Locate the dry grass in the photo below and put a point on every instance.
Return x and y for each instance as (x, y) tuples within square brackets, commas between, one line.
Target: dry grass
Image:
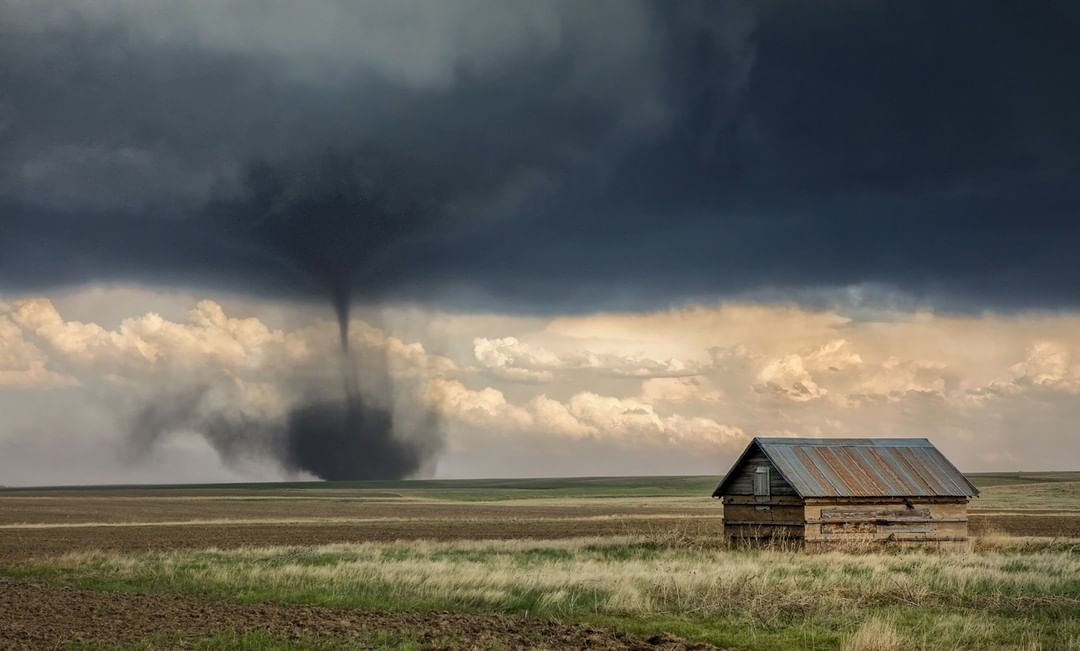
[(624, 575), (904, 599), (875, 635)]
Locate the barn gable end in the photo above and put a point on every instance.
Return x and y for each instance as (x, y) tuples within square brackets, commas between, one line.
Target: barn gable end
[(759, 502), (740, 480)]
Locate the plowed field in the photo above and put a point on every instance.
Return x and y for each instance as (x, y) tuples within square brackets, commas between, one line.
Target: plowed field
[(37, 616)]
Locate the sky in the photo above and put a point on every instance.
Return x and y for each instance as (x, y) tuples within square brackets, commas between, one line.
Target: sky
[(349, 239)]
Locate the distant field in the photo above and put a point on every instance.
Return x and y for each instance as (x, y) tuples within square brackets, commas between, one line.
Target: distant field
[(453, 489), (546, 563), (497, 489)]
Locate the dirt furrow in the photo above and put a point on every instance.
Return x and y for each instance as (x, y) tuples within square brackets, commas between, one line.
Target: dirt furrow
[(40, 616)]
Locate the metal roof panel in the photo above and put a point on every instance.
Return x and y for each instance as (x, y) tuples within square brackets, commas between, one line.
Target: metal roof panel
[(863, 468)]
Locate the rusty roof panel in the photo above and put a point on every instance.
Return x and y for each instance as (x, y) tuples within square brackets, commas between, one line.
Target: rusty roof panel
[(863, 468)]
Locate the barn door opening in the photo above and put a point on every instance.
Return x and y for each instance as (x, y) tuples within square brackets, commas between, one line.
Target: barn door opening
[(761, 483)]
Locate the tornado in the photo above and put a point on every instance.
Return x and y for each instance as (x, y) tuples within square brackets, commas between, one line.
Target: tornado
[(332, 220)]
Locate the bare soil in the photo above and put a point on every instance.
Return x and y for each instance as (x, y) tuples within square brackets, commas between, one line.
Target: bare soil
[(130, 506), (1064, 525), (149, 520), (38, 616)]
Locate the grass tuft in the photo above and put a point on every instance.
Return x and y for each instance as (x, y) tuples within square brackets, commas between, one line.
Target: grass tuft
[(875, 635)]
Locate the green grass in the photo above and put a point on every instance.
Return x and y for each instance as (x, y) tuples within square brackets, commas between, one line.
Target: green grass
[(755, 599), (1040, 495)]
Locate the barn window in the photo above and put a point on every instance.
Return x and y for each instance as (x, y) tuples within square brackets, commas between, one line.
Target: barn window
[(761, 481)]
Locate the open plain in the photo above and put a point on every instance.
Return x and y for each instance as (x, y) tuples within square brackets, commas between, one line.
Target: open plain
[(564, 563)]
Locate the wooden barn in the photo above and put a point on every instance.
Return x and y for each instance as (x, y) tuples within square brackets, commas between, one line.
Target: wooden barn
[(822, 492)]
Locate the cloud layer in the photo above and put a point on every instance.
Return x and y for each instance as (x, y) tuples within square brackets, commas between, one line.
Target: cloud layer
[(669, 391), (571, 157), (866, 212)]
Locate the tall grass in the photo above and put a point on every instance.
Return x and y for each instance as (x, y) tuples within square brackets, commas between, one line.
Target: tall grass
[(620, 575), (721, 594)]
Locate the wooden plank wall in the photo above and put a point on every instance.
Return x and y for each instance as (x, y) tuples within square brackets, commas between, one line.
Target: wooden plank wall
[(781, 517), (886, 520)]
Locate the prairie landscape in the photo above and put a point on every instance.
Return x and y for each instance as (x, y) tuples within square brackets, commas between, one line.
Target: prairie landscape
[(501, 564), (621, 245)]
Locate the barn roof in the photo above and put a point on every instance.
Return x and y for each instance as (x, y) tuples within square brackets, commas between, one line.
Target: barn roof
[(860, 468)]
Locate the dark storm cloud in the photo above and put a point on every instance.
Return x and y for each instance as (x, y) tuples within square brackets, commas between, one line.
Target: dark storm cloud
[(129, 126), (545, 155)]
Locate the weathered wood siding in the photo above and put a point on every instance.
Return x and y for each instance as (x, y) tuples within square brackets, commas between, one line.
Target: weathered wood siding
[(745, 516), (743, 483), (924, 520)]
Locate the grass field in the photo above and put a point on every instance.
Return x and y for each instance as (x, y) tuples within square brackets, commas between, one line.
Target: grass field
[(545, 563)]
